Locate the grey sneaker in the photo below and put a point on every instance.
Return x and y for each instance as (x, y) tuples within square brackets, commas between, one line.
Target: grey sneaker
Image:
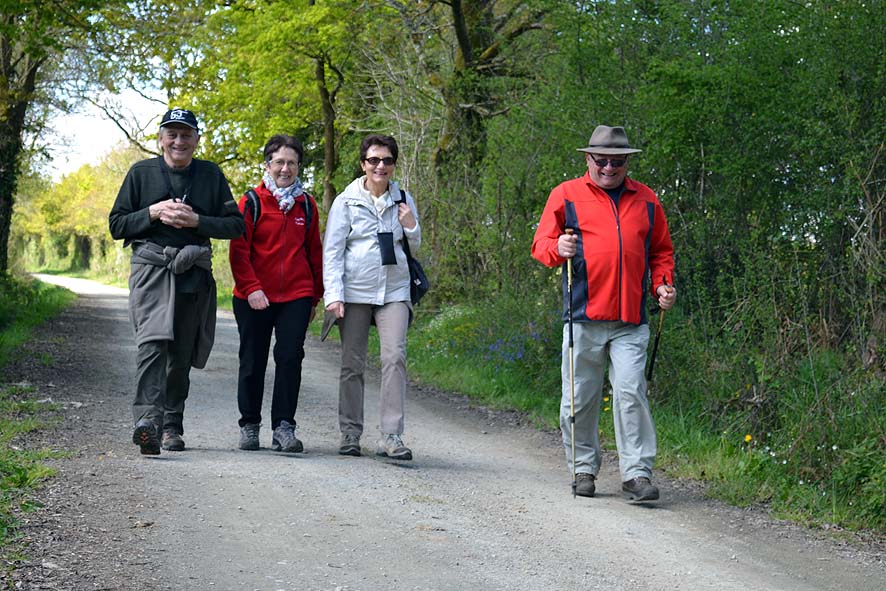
[(391, 445), (584, 484), (172, 441), (249, 436), (639, 489), (145, 437), (286, 439), (350, 445)]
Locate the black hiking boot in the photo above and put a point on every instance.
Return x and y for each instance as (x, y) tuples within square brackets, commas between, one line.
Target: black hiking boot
[(584, 484), (249, 436), (145, 437), (639, 489), (350, 445), (172, 441)]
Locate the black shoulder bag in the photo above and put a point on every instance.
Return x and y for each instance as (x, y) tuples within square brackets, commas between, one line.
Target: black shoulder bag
[(418, 281)]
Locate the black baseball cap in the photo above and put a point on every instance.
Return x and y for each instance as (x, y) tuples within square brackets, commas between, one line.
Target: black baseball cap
[(182, 116)]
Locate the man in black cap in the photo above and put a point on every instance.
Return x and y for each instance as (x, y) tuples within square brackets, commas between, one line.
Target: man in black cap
[(167, 209), (614, 230)]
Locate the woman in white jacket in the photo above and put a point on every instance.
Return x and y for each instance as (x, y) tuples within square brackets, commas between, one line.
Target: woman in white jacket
[(366, 280)]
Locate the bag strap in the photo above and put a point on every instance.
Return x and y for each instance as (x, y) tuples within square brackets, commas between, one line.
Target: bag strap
[(253, 204), (404, 241), (308, 215), (164, 168)]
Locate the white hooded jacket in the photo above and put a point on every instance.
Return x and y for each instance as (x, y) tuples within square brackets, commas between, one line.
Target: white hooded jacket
[(352, 269)]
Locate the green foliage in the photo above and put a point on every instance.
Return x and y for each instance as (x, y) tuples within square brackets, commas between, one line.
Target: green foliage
[(499, 352), (64, 226), (23, 304), (21, 471), (34, 38), (771, 429)]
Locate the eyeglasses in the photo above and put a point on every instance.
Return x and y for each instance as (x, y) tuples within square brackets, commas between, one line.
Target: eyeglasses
[(374, 160), (280, 163), (603, 162)]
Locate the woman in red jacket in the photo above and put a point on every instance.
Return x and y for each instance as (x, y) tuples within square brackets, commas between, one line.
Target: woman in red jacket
[(278, 280)]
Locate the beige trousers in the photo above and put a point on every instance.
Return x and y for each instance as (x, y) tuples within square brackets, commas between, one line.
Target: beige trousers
[(391, 320), (619, 348)]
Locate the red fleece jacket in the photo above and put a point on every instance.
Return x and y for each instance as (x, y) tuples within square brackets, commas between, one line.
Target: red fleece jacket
[(272, 257), (619, 248)]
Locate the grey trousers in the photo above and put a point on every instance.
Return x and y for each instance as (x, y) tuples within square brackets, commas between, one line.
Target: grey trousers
[(622, 347), (391, 320), (163, 370)]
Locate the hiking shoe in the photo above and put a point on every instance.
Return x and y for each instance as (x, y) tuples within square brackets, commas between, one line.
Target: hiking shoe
[(145, 436), (391, 445), (639, 489), (249, 436), (350, 445), (584, 484), (286, 439), (172, 441)]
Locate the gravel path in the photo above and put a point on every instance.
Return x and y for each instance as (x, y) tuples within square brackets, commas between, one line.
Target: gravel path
[(486, 504)]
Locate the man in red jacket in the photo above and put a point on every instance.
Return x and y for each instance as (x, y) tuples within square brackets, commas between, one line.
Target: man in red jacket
[(621, 250)]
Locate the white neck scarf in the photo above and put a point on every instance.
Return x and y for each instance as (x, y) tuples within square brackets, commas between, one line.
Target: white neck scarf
[(285, 196)]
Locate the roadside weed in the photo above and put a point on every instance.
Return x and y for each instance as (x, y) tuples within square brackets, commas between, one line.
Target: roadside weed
[(21, 469), (23, 304)]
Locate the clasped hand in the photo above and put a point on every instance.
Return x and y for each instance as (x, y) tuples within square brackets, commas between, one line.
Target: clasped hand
[(173, 212)]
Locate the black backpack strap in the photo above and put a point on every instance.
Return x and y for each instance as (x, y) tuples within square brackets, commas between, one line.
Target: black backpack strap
[(309, 213), (253, 205)]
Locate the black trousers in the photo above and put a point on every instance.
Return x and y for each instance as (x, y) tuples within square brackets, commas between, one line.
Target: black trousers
[(288, 321)]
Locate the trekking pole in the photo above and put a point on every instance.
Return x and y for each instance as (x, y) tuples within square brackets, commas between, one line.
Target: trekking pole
[(571, 365), (657, 337)]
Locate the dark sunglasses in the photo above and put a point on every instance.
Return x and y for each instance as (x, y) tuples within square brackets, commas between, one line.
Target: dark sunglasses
[(374, 160), (616, 163)]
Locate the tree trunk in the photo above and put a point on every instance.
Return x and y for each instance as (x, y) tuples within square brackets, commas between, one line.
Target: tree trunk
[(11, 128), (82, 253), (467, 98), (18, 79), (329, 151), (10, 148)]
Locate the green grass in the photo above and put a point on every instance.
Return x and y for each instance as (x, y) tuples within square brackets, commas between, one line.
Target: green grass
[(807, 440), (496, 387), (21, 469), (24, 304)]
